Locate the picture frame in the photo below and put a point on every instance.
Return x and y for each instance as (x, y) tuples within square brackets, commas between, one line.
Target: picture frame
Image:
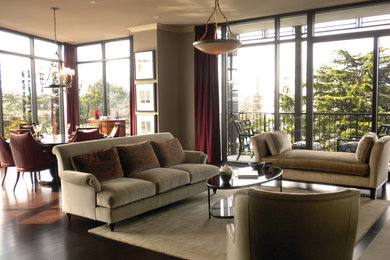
[(146, 124), (145, 96), (144, 65)]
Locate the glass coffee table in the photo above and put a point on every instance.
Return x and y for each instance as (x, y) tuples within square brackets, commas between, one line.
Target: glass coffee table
[(224, 207)]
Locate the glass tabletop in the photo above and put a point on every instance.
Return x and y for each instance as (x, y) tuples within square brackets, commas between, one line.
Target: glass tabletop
[(268, 173)]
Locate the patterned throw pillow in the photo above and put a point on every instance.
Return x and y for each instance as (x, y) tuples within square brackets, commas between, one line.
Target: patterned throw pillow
[(105, 164), (169, 152), (137, 157)]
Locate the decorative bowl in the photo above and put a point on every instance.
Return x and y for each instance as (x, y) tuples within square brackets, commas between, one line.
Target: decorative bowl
[(257, 166)]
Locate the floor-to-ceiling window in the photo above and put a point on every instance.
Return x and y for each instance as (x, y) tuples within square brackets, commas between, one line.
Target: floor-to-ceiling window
[(266, 79), (104, 79), (25, 98)]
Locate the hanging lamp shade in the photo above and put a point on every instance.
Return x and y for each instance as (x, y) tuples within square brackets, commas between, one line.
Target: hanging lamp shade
[(217, 46)]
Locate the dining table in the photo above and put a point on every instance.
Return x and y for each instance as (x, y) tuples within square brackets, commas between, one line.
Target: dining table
[(48, 142)]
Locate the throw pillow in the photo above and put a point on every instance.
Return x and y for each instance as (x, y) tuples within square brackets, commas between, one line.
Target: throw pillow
[(278, 142), (105, 164), (365, 145), (169, 152), (137, 157)]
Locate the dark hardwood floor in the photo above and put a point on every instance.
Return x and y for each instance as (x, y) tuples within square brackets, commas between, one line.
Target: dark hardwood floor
[(34, 227)]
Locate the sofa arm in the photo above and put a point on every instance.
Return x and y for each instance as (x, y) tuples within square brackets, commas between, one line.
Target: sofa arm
[(379, 161), (195, 157), (78, 192), (81, 178)]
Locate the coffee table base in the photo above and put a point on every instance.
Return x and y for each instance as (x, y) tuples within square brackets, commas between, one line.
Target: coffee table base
[(223, 208)]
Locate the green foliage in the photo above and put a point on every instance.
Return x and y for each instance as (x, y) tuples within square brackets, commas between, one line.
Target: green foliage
[(93, 100), (345, 86)]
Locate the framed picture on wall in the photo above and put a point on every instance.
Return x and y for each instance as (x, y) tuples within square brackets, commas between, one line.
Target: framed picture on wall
[(145, 97), (146, 124), (144, 65)]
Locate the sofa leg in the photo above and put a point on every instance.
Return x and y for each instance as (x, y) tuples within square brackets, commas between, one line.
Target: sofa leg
[(373, 194), (68, 215), (112, 226)]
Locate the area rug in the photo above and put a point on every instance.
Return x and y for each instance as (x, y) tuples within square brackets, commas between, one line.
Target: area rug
[(184, 230), (379, 249)]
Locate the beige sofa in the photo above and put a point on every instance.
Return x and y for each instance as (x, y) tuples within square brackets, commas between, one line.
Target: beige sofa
[(335, 168), (117, 199)]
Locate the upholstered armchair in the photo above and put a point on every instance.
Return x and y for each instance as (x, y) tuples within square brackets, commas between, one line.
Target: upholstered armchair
[(273, 225)]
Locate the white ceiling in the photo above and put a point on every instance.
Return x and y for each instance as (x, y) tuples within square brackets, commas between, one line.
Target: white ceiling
[(79, 21)]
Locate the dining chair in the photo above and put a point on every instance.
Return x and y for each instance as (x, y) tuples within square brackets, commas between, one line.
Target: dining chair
[(86, 134), (30, 156), (27, 126), (275, 225), (115, 131), (6, 158), (20, 131)]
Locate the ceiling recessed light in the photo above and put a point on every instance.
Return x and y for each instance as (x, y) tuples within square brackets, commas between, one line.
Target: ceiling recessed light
[(156, 17)]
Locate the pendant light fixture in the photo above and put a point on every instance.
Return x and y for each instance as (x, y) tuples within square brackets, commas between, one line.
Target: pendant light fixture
[(217, 46), (62, 77)]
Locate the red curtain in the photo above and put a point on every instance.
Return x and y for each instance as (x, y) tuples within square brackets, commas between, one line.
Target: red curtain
[(132, 89), (207, 134), (72, 103)]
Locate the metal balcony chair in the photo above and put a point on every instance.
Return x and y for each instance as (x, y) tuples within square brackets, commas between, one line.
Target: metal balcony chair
[(245, 132), (350, 144)]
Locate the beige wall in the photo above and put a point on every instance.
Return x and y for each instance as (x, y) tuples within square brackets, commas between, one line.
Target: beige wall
[(186, 79), (174, 78)]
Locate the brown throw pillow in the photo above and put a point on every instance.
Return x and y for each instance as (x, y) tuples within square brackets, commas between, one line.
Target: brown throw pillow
[(169, 152), (278, 142), (105, 164), (137, 157), (365, 145)]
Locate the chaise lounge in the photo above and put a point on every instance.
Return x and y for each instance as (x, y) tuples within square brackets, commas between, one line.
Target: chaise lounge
[(365, 169), (113, 179)]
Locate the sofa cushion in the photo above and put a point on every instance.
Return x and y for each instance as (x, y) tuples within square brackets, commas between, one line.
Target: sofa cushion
[(118, 192), (105, 164), (365, 145), (278, 142), (198, 172), (165, 179), (137, 157), (169, 152), (322, 161)]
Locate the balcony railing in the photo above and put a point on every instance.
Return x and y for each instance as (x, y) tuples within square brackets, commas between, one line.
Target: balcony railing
[(327, 127)]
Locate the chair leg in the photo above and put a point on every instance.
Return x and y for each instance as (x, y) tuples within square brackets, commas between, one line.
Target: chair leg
[(35, 180), (239, 150), (17, 179), (4, 174), (32, 178), (112, 226)]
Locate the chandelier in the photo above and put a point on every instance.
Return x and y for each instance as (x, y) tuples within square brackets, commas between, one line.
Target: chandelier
[(61, 77), (217, 46)]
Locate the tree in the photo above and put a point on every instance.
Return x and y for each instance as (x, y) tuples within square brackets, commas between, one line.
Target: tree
[(345, 86), (93, 100)]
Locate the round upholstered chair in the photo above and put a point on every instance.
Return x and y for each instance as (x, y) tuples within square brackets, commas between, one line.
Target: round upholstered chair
[(273, 225)]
